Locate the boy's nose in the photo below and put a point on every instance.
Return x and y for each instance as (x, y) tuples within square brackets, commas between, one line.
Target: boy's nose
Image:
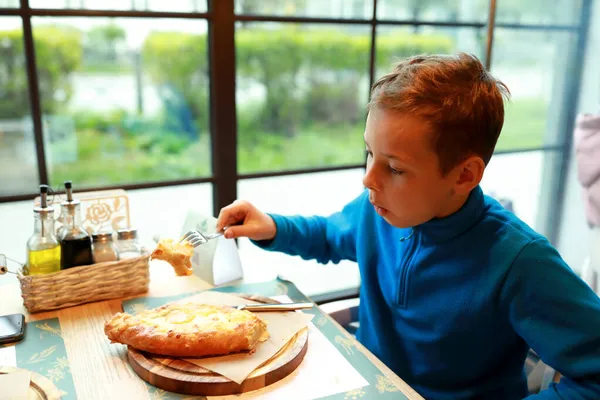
[(370, 180)]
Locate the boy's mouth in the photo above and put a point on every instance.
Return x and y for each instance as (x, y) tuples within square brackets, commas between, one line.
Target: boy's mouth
[(380, 210)]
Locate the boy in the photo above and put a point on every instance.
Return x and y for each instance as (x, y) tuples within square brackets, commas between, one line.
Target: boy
[(455, 289)]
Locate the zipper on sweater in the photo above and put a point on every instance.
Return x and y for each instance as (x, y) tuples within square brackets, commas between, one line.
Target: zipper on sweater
[(405, 269)]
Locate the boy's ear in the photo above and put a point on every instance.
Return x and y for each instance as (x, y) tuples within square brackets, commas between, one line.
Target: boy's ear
[(469, 174)]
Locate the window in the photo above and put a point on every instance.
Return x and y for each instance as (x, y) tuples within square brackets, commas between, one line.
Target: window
[(538, 12), (139, 94), (124, 100), (516, 181), (358, 9), (18, 160), (9, 3), (306, 194), (534, 65), (301, 95), (137, 5), (397, 42), (434, 10)]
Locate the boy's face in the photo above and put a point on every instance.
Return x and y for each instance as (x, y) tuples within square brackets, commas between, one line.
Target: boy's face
[(403, 173)]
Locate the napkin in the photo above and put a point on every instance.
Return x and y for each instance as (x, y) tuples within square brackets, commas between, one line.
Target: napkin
[(282, 326), (15, 385)]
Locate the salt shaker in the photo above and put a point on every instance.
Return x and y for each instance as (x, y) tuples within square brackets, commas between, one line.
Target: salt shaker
[(103, 247), (128, 244)]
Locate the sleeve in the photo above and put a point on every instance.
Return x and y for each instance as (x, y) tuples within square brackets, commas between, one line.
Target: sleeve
[(325, 239), (558, 316)]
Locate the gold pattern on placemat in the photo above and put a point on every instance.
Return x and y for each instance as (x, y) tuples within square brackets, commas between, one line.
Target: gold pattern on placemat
[(385, 385), (347, 344), (41, 356), (60, 369), (354, 394), (48, 328), (159, 394), (321, 321)]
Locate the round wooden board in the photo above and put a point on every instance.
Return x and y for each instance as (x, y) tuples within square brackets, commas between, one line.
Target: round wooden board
[(40, 387), (179, 376)]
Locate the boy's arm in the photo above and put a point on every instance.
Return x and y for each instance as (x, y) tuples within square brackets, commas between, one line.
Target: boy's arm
[(558, 316), (323, 239)]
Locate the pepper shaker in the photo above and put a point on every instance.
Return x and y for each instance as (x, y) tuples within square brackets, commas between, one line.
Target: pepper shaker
[(103, 247), (128, 245)]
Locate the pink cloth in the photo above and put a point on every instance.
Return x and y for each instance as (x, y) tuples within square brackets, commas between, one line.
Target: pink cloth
[(587, 154)]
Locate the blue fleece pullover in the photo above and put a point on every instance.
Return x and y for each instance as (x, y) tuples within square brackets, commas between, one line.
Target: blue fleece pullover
[(454, 308)]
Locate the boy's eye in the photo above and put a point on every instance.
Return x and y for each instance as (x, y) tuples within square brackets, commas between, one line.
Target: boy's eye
[(395, 171), (368, 153)]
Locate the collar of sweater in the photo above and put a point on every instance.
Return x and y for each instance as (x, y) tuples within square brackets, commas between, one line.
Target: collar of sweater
[(440, 230)]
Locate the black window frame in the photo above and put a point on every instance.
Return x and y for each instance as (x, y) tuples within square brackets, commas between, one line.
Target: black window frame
[(221, 19)]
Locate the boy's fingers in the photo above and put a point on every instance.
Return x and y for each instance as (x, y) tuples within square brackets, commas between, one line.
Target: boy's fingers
[(240, 231), (231, 214)]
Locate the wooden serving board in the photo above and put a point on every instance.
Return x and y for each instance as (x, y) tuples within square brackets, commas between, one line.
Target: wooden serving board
[(179, 376), (40, 387)]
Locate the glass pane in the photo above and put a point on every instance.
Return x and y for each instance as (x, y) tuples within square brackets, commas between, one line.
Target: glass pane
[(138, 5), (9, 3), (18, 158), (516, 181), (307, 194), (174, 203), (357, 9), (433, 10), (538, 12), (396, 43), (301, 95), (534, 66), (124, 100)]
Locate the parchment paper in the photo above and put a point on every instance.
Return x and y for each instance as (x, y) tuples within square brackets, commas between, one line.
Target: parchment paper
[(282, 326)]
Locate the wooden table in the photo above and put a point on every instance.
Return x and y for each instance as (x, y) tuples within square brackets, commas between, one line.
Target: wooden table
[(100, 369)]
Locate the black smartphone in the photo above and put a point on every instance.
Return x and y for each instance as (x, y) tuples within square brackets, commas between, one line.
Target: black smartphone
[(12, 328)]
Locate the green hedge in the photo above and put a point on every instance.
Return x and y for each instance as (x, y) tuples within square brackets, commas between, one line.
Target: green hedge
[(310, 76), (177, 63), (58, 53), (315, 75)]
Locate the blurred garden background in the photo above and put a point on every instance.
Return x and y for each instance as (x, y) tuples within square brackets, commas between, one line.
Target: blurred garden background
[(127, 100)]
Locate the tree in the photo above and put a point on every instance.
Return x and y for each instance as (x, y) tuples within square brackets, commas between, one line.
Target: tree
[(102, 44), (252, 7)]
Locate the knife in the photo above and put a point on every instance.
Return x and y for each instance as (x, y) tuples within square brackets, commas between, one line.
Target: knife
[(275, 307)]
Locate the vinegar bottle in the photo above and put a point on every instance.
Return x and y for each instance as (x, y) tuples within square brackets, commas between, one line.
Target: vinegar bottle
[(43, 248), (75, 242)]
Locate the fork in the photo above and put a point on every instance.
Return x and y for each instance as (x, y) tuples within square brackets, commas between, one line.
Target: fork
[(197, 238)]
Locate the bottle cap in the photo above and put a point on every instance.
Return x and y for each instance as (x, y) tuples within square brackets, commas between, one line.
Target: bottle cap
[(69, 190), (102, 237), (43, 208), (127, 234)]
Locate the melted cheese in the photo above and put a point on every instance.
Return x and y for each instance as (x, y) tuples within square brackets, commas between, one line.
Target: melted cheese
[(192, 317)]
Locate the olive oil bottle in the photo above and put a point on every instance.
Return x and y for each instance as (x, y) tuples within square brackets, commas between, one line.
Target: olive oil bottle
[(43, 248)]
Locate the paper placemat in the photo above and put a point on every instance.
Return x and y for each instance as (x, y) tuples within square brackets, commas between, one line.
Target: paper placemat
[(323, 372), (378, 385), (42, 351), (15, 385)]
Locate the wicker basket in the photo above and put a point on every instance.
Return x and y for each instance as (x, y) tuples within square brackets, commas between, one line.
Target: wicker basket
[(85, 284)]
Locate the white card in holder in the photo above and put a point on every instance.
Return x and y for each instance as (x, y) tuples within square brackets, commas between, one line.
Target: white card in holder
[(217, 261)]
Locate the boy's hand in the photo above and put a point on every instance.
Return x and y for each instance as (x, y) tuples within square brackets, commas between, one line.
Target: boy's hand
[(243, 219)]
